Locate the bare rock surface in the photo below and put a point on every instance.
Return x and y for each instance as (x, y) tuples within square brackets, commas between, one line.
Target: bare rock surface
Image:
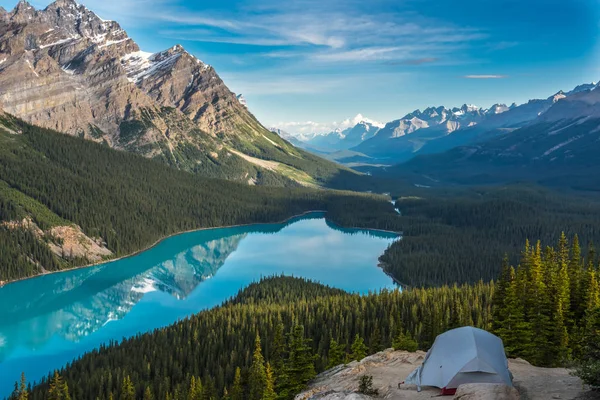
[(486, 391), (390, 368), (66, 69)]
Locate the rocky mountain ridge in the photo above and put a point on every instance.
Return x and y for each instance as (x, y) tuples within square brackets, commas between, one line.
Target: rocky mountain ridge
[(66, 69), (437, 129)]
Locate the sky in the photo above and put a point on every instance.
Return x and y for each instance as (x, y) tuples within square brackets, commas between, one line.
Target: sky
[(313, 65)]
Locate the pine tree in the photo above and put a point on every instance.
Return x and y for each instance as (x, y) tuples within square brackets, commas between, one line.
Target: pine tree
[(58, 389), (500, 289), (237, 390), (196, 391), (257, 379), (515, 332), (562, 306), (148, 394), (539, 308), (300, 363), (358, 349), (277, 361), (127, 389), (375, 341), (575, 290), (20, 392), (336, 354), (269, 393), (589, 368), (403, 341)]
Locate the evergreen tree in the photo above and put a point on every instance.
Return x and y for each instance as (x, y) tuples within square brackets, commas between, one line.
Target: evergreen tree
[(196, 391), (237, 390), (500, 295), (257, 379), (365, 386), (300, 363), (269, 393), (277, 358), (58, 389), (127, 389), (375, 341), (575, 271), (20, 392), (336, 354), (589, 368), (562, 304), (358, 349), (403, 341), (515, 331), (148, 394)]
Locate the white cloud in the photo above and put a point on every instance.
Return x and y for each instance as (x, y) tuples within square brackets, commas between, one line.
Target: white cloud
[(269, 84), (302, 129), (312, 30)]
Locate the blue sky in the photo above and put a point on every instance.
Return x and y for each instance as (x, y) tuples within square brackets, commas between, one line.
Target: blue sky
[(305, 64)]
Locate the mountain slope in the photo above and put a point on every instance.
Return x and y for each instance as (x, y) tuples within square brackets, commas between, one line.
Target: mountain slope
[(359, 130), (437, 129), (402, 137), (65, 201), (66, 69), (561, 153)]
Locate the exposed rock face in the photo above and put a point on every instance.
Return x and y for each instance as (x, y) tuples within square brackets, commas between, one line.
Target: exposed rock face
[(390, 368), (73, 243), (486, 391), (66, 69), (67, 241)]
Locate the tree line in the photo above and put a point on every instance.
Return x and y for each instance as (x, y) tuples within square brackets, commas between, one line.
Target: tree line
[(303, 328), (546, 308), (458, 235)]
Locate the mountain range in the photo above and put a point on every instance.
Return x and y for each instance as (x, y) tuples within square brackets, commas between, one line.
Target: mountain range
[(66, 69), (554, 142), (360, 129), (439, 129)]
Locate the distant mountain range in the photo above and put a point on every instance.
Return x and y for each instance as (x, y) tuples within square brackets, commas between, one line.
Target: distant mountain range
[(555, 141), (66, 69), (361, 129), (438, 129)]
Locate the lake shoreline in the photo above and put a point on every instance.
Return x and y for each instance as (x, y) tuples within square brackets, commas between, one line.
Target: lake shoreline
[(156, 243)]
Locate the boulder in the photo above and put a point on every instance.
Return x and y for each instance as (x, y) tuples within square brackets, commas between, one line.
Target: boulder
[(333, 395), (486, 391)]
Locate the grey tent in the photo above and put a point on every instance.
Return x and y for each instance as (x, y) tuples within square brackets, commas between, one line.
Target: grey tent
[(463, 355)]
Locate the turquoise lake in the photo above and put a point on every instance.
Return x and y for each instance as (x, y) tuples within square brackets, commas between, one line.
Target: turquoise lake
[(48, 321)]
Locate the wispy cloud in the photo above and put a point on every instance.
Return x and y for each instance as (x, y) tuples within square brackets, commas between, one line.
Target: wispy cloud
[(311, 30), (485, 76), (261, 84)]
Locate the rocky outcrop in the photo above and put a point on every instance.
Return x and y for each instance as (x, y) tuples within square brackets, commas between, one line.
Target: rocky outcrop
[(66, 69), (390, 368), (70, 242), (486, 391), (66, 241)]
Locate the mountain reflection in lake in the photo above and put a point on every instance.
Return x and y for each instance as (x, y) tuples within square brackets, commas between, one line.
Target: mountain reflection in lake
[(48, 321)]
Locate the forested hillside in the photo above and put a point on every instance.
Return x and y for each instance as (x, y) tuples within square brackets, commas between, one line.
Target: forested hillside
[(125, 202), (295, 320), (458, 234), (547, 309)]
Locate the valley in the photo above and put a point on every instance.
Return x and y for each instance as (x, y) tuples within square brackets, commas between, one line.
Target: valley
[(77, 311), (158, 242)]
